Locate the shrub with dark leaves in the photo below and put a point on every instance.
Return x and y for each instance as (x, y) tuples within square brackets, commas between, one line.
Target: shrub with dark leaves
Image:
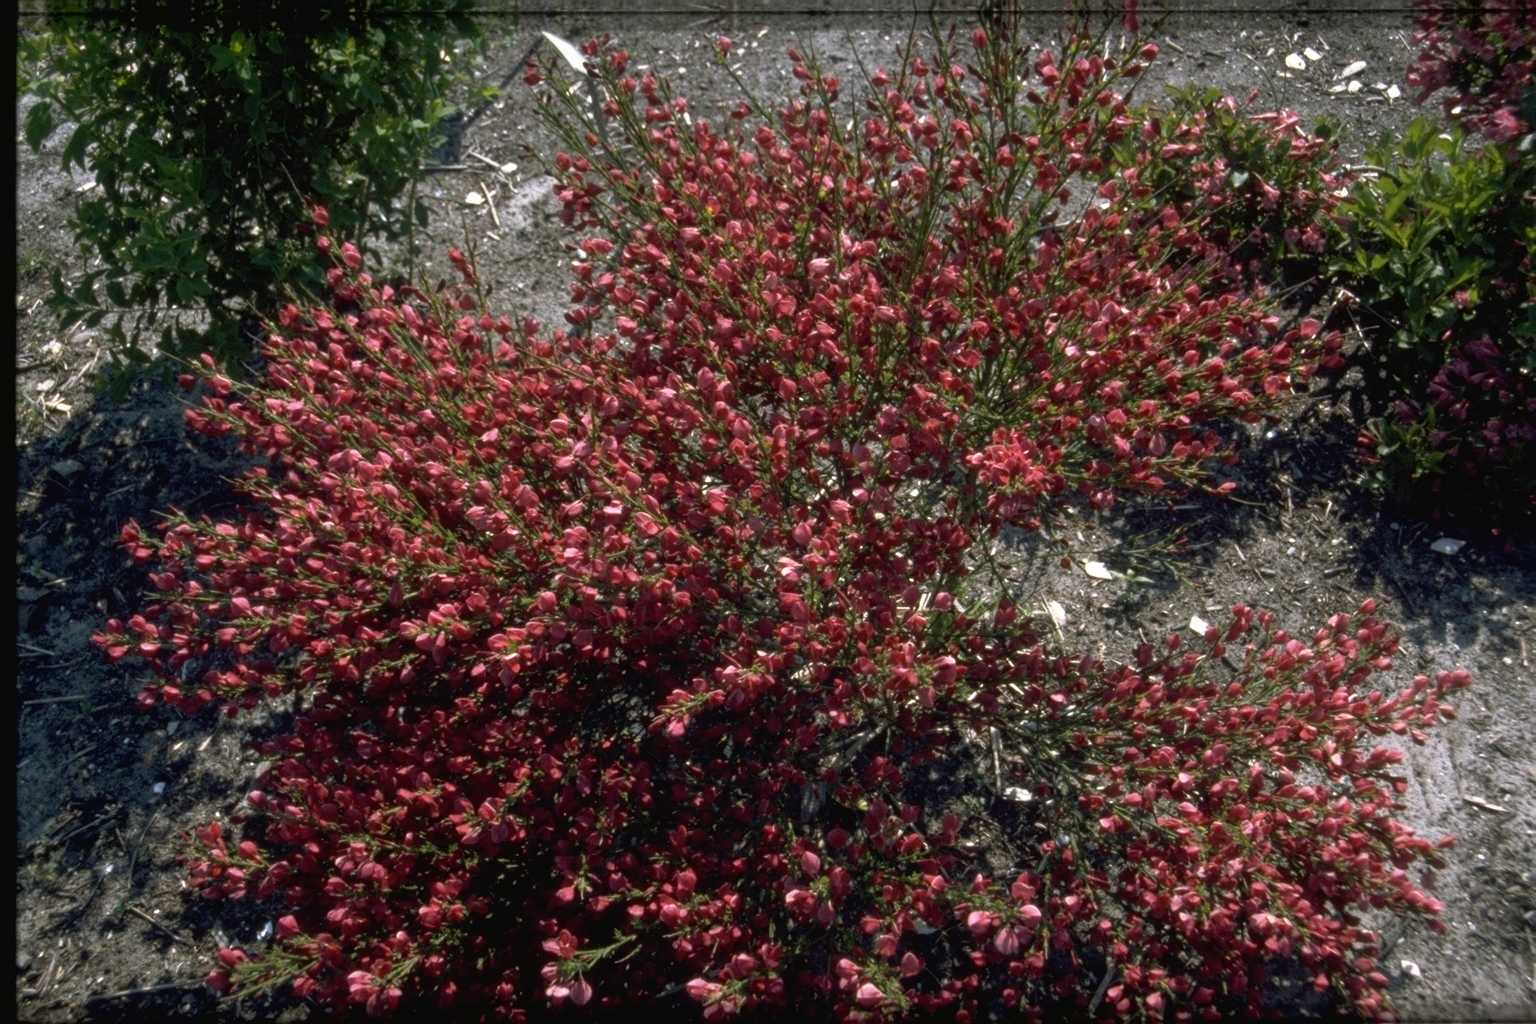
[(1484, 53), (1439, 251)]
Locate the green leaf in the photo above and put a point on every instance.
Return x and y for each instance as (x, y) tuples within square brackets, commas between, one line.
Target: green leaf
[(1395, 204), (40, 124), (85, 292), (74, 149)]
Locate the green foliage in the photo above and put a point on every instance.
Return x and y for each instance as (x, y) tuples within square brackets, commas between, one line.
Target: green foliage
[(210, 131), (1438, 250), (1434, 254)]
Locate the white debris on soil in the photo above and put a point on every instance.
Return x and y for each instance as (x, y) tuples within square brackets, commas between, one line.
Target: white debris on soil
[(1098, 570)]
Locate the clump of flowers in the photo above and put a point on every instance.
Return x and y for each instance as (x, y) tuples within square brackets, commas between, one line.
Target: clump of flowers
[(628, 655), (1484, 54), (1476, 426), (1265, 188)]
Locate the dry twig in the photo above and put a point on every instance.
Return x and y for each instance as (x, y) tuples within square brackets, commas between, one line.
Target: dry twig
[(139, 913)]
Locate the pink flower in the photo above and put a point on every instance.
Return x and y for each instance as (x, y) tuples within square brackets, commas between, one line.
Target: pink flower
[(869, 996), (383, 1001), (1270, 193), (1128, 20), (1503, 125), (1008, 940), (701, 991), (360, 986)]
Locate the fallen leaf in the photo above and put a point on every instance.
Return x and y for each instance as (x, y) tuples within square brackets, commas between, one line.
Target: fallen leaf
[(1393, 92), (1411, 969), (1295, 62), (474, 198), (1479, 802), (1098, 570), (1354, 85), (1057, 613), (571, 54), (1338, 88), (1352, 69), (1018, 793), (1447, 545), (1311, 54), (1198, 625)]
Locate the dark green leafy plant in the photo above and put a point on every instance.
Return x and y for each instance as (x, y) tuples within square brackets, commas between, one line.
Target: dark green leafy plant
[(1435, 246), (209, 132), (1438, 252)]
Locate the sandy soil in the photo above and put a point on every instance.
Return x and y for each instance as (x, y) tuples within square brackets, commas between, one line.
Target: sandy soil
[(104, 931)]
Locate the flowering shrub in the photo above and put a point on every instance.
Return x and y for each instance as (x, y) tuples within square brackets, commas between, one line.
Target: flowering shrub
[(1476, 427), (1485, 55), (1270, 187), (636, 659), (919, 272)]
